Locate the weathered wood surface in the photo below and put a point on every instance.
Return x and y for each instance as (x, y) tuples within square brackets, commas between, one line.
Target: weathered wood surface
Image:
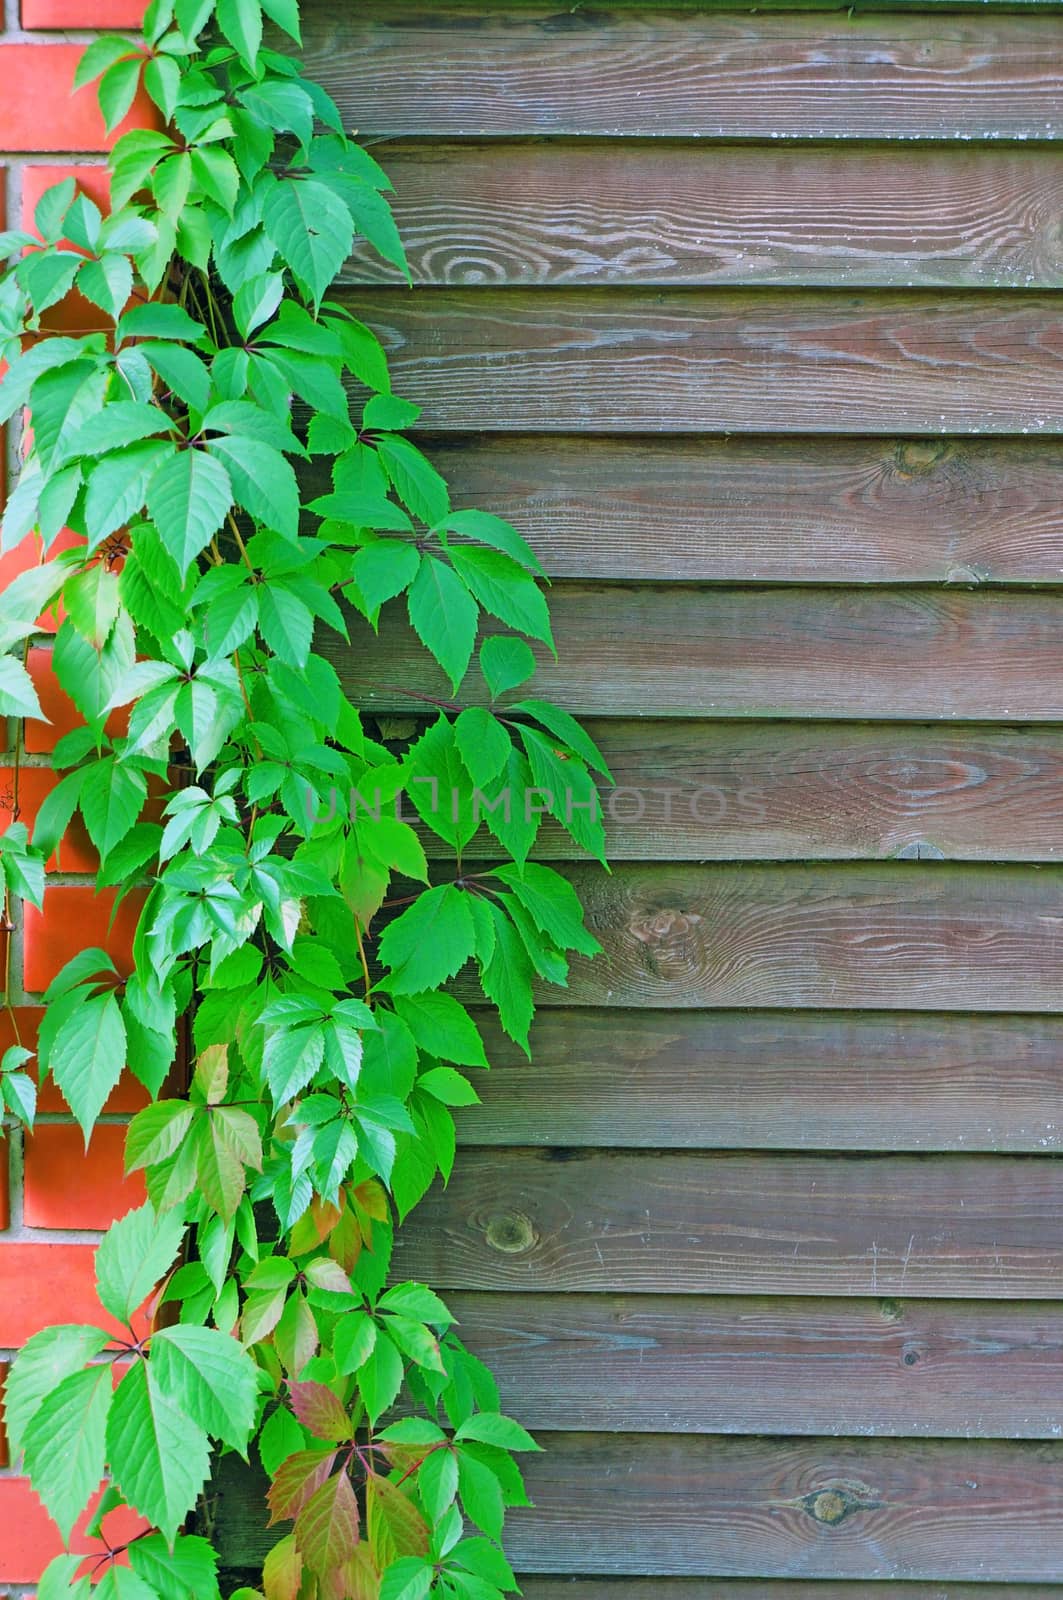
[(706, 791), (780, 510), (705, 1080), (673, 1364), (460, 70), (968, 1227), (589, 213), (800, 361), (921, 935), (817, 1508), (755, 1589), (679, 651)]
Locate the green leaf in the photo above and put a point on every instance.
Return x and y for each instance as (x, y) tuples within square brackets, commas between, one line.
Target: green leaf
[(505, 662), (187, 1572), (158, 1456), (96, 58), (117, 90), (211, 1378), (503, 589), (112, 797), (565, 728), (59, 1580), (483, 743), (92, 601), (481, 1495), (241, 23), (263, 481), (45, 1361), (444, 617), (118, 487), (121, 423), (417, 483), (63, 401), (444, 1084), (442, 1027), (507, 979), (486, 528), (158, 319), (156, 1133), (409, 1578), (257, 300), (18, 695), (384, 569), (108, 283), (46, 277), (162, 80), (188, 499), (429, 942), (64, 1444), (380, 1377), (311, 229), (134, 1255), (87, 1057), (490, 1427), (285, 13)]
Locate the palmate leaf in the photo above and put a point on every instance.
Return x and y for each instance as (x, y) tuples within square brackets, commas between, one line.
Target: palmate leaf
[(210, 1377), (326, 1529), (42, 1365), (188, 498), (429, 942), (64, 1443), (159, 1457), (187, 1572), (312, 229), (134, 1255)]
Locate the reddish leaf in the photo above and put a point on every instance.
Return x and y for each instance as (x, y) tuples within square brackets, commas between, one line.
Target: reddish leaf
[(361, 1575), (320, 1410), (282, 1571), (296, 1337), (326, 1529), (324, 1273), (345, 1241), (396, 1527), (372, 1198), (296, 1480)]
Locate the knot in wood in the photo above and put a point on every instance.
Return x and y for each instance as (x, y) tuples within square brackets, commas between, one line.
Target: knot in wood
[(511, 1232), (831, 1506), (916, 457), (665, 927)]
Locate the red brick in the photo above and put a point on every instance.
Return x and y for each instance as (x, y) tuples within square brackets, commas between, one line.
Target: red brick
[(92, 178), (35, 784), (30, 1539), (5, 1195), (61, 712), (129, 1095), (69, 1187), (76, 918), (38, 111), (42, 1284), (4, 1453), (123, 15)]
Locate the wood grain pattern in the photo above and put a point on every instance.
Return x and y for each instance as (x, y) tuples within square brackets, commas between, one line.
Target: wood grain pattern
[(672, 1364), (462, 71), (711, 791), (925, 936), (758, 1589), (671, 650), (667, 1504), (968, 1227), (781, 510), (802, 361), (705, 1080), (591, 214)]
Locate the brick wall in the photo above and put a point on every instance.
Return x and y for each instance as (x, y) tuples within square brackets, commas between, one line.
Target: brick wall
[(54, 1198)]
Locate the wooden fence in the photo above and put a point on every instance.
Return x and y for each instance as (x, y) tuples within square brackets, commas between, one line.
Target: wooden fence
[(751, 320)]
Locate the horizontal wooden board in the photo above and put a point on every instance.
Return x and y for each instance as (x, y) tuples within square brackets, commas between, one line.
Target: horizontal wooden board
[(676, 1364), (728, 1507), (921, 935), (969, 1227), (595, 213), (434, 69), (710, 791), (679, 651), (705, 1080), (758, 1589), (690, 361), (778, 510)]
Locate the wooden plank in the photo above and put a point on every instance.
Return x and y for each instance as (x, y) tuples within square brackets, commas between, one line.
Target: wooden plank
[(678, 651), (708, 1080), (692, 361), (663, 1504), (673, 1364), (591, 214), (778, 510), (717, 791), (756, 1589), (968, 1227), (462, 71), (915, 935)]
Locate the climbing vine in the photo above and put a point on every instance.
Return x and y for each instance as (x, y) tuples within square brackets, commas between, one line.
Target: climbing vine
[(290, 926)]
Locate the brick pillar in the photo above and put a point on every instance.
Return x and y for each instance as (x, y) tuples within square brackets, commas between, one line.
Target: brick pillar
[(54, 1198)]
